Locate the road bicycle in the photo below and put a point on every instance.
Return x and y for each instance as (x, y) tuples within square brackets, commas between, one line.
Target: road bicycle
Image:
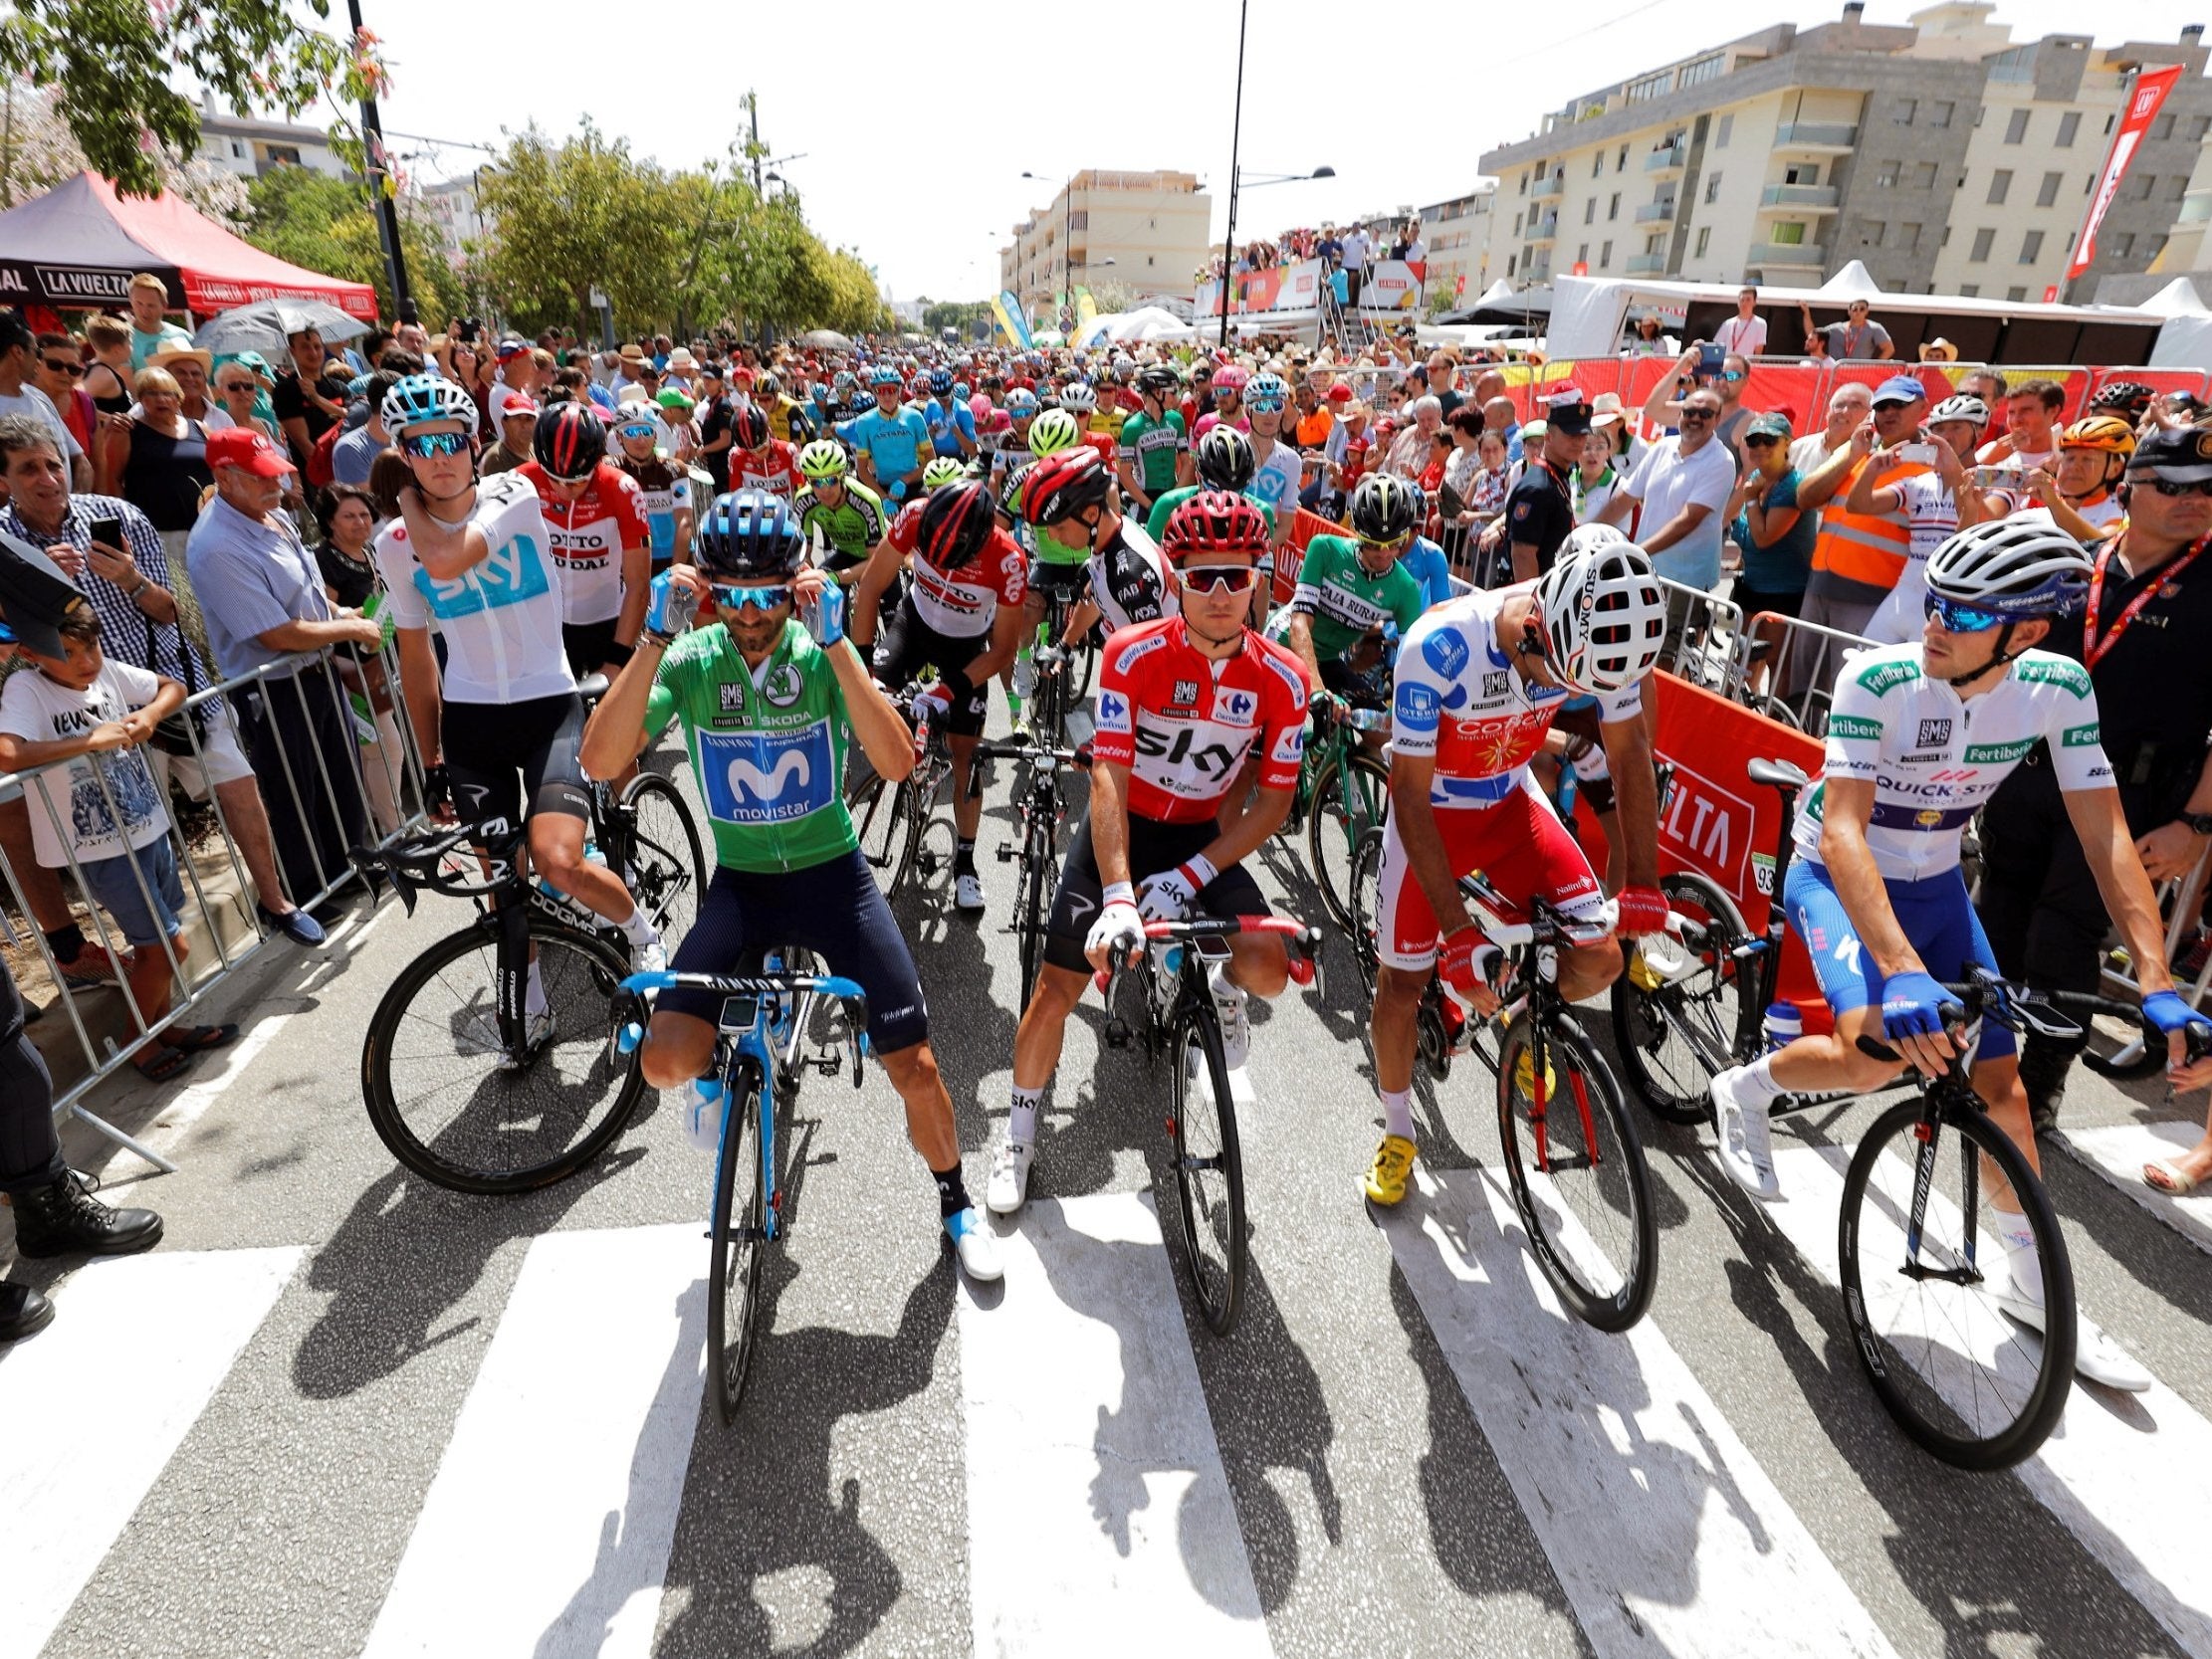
[(1174, 1014), (902, 835), (1343, 791), (778, 1021), (1041, 801)]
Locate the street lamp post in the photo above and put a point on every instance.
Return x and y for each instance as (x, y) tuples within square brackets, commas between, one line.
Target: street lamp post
[(1235, 179)]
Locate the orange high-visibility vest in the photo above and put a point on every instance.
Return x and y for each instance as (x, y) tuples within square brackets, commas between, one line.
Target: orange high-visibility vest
[(1869, 548)]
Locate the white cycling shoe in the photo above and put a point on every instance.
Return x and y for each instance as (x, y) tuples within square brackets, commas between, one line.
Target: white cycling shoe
[(537, 1030), (1008, 1186), (1747, 1135), (2095, 1355), (975, 1244), (649, 958), (968, 890)]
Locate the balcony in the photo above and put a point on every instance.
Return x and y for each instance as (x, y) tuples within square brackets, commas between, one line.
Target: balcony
[(1824, 137), (1543, 230), (1646, 265), (1657, 213), (1816, 198), (1803, 256), (1671, 159), (1554, 185)]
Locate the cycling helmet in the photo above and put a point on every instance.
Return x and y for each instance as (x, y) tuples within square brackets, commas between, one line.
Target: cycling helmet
[(1588, 538), (943, 469), (419, 399), (953, 524), (1383, 507), (1158, 380), (1077, 398), (822, 461), (2108, 433), (1231, 377), (980, 407), (1021, 401), (962, 390), (2020, 567), (570, 442), (842, 381), (1269, 390), (770, 386), (1064, 484), (1224, 459), (2131, 397), (748, 426), (1125, 368), (1054, 431), (1011, 492), (1963, 406), (750, 532), (1603, 617), (1214, 521), (883, 374), (940, 381)]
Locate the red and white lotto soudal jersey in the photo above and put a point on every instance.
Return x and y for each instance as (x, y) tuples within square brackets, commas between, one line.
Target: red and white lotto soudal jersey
[(774, 469), (963, 603), (588, 535), (1183, 724), (1460, 698)]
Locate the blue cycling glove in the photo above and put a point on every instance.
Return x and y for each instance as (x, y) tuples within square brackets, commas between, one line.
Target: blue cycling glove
[(2169, 1013), (824, 616), (667, 611), (1913, 1006)]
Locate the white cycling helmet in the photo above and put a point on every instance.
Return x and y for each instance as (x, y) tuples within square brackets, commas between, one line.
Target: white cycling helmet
[(2018, 567), (1964, 406), (1077, 398), (425, 400), (1604, 616), (1588, 538)]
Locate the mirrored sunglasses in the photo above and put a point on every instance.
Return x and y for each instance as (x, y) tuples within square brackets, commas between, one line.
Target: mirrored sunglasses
[(751, 598), (426, 445), (1955, 618), (1219, 578)]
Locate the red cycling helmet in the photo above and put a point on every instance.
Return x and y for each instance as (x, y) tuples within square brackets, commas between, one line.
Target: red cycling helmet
[(749, 427), (1064, 483), (1214, 521), (571, 440), (956, 522)]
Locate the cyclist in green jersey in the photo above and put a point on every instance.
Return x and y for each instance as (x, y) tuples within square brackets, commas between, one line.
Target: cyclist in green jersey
[(1349, 587), (836, 512), (768, 705), (1223, 459), (1154, 450)]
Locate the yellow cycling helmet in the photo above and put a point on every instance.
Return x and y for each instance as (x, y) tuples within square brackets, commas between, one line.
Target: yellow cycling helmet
[(2106, 432)]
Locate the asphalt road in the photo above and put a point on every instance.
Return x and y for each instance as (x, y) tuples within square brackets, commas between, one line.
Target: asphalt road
[(340, 1411)]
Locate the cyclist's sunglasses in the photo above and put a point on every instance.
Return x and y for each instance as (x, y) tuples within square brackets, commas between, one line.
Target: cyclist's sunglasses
[(1219, 578), (1264, 405), (427, 445), (2167, 487), (751, 598), (1955, 618), (635, 428), (1390, 546)]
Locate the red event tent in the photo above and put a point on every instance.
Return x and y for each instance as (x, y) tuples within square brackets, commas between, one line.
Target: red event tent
[(78, 245)]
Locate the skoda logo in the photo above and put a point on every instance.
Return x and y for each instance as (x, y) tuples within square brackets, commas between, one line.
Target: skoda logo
[(783, 687)]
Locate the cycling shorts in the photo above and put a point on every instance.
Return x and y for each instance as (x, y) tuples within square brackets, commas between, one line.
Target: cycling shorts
[(1067, 581), (834, 909), (1152, 847), (1520, 847), (1367, 689), (589, 644), (489, 747), (1936, 916), (907, 645)]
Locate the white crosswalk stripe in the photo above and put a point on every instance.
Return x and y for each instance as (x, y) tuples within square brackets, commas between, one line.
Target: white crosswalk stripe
[(2119, 1153)]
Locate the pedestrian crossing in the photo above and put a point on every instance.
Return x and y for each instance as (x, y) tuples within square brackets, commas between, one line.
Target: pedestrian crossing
[(2119, 1153), (1095, 1512)]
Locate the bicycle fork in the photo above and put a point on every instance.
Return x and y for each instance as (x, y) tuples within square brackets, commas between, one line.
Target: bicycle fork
[(1539, 1090)]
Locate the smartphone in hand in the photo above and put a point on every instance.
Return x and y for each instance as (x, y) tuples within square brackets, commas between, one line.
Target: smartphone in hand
[(109, 533)]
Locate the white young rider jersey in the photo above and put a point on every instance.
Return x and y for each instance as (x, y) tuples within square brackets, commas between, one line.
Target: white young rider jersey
[(962, 603), (1128, 579), (1461, 698), (1935, 757), (501, 618)]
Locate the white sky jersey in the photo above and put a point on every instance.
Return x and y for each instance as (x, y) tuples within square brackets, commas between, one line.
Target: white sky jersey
[(501, 618), (1462, 701), (1935, 757), (963, 603)]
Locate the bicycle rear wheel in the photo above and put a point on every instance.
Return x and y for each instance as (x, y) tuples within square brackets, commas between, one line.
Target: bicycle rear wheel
[(1578, 1173), (878, 807), (668, 861), (455, 1107), (1365, 930), (739, 1234), (1348, 799), (1036, 893), (1959, 1376), (1676, 1034), (1209, 1168)]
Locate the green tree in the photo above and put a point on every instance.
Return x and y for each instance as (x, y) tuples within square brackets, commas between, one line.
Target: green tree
[(961, 315), (580, 215), (39, 152), (328, 225)]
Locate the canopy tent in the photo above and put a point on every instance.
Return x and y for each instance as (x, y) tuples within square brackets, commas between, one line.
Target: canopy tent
[(78, 245), (1502, 302)]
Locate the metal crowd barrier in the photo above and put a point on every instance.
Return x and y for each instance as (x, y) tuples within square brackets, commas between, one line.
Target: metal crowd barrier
[(1705, 636), (1794, 677), (386, 773)]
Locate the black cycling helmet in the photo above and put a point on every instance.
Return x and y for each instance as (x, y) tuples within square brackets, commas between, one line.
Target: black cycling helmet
[(1064, 483), (749, 427), (750, 534), (1383, 508), (1225, 460), (2128, 398), (954, 523), (1158, 378), (571, 440)]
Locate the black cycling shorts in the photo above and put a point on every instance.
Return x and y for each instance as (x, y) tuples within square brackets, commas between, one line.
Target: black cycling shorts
[(834, 909), (1152, 847), (500, 754), (907, 645), (1369, 690), (590, 646)]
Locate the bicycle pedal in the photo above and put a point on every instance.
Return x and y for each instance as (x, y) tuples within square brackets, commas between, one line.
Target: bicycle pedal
[(1007, 852)]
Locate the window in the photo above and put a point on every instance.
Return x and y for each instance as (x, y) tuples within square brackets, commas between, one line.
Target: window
[(1582, 254), (1969, 290), (1524, 185), (1621, 161), (2162, 127), (2121, 245), (1650, 86), (2068, 124), (1596, 164), (1790, 233), (1613, 208), (1923, 175), (2016, 293), (1704, 240), (1655, 242), (1516, 224), (2177, 187), (1982, 240), (237, 150), (1725, 132), (1941, 115), (1712, 187), (1511, 259), (1904, 111), (1872, 233), (2199, 125), (1909, 236), (2000, 185), (1886, 175), (1590, 211), (2156, 248), (1703, 70), (1605, 256), (2016, 127), (2031, 247), (2145, 185), (2049, 192), (1803, 172)]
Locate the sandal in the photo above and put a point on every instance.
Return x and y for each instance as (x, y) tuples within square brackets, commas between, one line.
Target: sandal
[(158, 1065), (2167, 1176), (195, 1039)]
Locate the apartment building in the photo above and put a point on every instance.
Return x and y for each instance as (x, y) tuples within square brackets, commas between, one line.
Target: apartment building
[(1458, 236), (1146, 231), (1937, 153), (249, 146)]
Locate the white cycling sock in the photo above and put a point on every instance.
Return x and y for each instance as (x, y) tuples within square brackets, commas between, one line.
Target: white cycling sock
[(1022, 1128), (1763, 1090), (1398, 1112), (636, 929), (533, 993), (2019, 1239)]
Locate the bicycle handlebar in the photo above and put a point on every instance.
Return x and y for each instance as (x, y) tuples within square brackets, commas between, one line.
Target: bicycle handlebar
[(2019, 1008), (419, 862), (1302, 941), (630, 1032)]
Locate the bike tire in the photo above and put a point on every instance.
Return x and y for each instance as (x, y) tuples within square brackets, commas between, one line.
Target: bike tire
[(499, 1137), (1895, 1320), (1209, 1168), (1348, 799), (1365, 930), (1604, 1262), (740, 1233), (878, 808), (1673, 1037), (666, 855), (1036, 896)]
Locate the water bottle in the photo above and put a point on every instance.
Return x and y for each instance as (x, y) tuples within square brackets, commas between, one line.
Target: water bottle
[(1784, 1025), (703, 1113)]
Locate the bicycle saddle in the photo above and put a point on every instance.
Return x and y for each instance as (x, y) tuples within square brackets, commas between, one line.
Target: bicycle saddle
[(1777, 774), (591, 687)]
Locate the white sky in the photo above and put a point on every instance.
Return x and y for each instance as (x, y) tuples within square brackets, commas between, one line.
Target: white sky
[(925, 183)]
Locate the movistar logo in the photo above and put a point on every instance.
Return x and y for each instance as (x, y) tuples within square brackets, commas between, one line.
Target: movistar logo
[(746, 777), (1883, 677), (2056, 671), (1853, 725), (1994, 755)]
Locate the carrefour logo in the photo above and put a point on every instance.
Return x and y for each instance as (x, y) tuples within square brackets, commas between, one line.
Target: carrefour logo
[(1113, 711)]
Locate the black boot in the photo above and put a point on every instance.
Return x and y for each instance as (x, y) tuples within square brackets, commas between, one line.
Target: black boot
[(2043, 1072), (64, 1219), (22, 1311)]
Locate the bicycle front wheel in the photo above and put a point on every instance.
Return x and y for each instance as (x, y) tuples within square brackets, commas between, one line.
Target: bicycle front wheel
[(1209, 1168), (1366, 925), (456, 1107), (668, 861), (739, 1234), (1674, 1034), (1348, 800), (1037, 893), (1578, 1173), (1958, 1374), (878, 807)]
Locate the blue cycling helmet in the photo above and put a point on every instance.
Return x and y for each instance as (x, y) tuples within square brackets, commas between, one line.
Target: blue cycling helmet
[(750, 532), (1019, 402), (941, 381), (420, 400), (883, 374)]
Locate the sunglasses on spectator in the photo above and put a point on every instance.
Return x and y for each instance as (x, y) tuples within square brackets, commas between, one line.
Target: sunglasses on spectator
[(63, 367), (634, 429), (1219, 578), (2167, 487), (751, 598), (1732, 374), (427, 445), (1697, 414), (1761, 440), (1955, 618)]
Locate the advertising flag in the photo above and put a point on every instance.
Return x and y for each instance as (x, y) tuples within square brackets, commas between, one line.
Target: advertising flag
[(1010, 318), (2143, 100)]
